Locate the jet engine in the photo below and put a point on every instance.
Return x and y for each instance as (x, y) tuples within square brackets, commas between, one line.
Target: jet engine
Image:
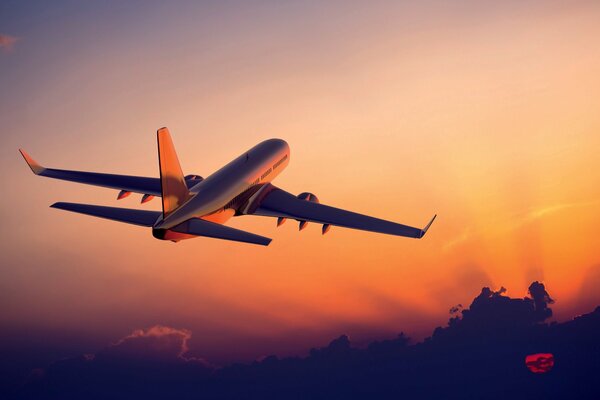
[(190, 180), (193, 179), (314, 199), (308, 196)]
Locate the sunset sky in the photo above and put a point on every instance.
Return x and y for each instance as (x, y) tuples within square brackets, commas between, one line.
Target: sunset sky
[(486, 113)]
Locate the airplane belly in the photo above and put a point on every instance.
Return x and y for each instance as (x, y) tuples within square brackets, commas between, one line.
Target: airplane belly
[(220, 217), (167, 234)]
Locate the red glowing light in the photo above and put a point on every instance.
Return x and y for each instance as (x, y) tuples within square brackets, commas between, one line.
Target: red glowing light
[(539, 363)]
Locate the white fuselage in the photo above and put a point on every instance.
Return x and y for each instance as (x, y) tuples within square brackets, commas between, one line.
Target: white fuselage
[(214, 198)]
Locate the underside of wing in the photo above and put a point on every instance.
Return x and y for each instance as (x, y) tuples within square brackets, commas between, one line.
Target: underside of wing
[(200, 227), (127, 183), (126, 215), (279, 203), (190, 228)]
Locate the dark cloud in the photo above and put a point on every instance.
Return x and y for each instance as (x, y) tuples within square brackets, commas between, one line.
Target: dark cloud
[(7, 42), (481, 353), (149, 363), (541, 299)]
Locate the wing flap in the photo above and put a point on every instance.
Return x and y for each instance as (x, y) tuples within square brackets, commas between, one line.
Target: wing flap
[(137, 184), (127, 215), (200, 227), (279, 203)]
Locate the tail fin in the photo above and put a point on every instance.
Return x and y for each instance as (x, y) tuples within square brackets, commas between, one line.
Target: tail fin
[(174, 189)]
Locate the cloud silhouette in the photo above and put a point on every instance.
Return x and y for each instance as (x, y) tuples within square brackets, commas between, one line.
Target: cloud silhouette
[(541, 299), (7, 42), (150, 363), (157, 342), (480, 353)]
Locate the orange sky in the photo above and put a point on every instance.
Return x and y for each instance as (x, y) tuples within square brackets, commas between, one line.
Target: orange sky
[(486, 115)]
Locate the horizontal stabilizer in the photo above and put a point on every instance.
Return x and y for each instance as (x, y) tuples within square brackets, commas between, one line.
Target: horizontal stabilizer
[(129, 216), (200, 227)]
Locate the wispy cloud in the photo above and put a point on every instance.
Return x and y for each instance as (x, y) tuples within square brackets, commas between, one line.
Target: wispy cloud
[(518, 221), (7, 42), (461, 238), (540, 212)]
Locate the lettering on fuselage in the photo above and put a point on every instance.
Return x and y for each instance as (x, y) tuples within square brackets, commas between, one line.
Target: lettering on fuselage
[(278, 163), (265, 174)]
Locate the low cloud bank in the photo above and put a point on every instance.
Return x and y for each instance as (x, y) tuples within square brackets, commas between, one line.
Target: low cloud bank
[(479, 354)]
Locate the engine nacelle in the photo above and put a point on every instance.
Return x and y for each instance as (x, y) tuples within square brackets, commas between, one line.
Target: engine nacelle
[(193, 177), (308, 197), (192, 180)]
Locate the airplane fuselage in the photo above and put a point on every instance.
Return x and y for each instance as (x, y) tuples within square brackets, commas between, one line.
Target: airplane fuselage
[(217, 197)]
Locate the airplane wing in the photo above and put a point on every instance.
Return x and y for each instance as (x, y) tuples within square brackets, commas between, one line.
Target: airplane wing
[(279, 203), (137, 184), (127, 215)]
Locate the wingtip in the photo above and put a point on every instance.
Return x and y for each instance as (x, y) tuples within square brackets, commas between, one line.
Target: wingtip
[(36, 168), (59, 205), (424, 230)]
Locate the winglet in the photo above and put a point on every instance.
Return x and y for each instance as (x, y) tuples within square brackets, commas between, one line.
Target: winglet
[(35, 167), (424, 230)]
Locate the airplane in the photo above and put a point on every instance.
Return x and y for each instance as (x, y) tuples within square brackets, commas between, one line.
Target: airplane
[(193, 206)]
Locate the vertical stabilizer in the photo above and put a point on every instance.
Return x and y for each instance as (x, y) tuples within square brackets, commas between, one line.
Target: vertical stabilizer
[(174, 189)]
